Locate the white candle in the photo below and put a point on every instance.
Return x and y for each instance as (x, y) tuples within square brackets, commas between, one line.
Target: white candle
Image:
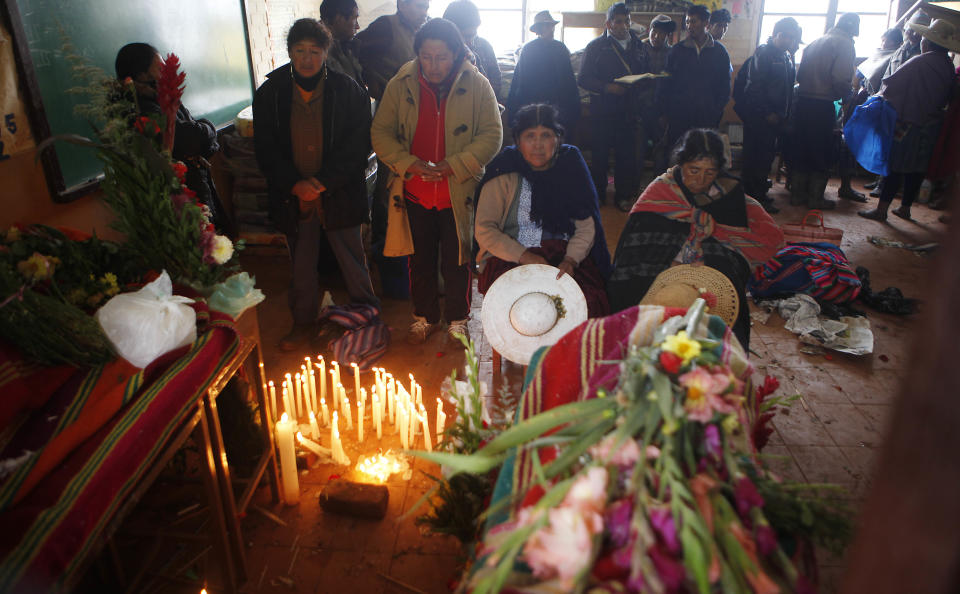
[(356, 380), (376, 416), (363, 396), (336, 369), (336, 446), (413, 385), (298, 394), (314, 427), (348, 412), (273, 399), (391, 398), (333, 389), (307, 402), (286, 399), (441, 419), (403, 433), (313, 446), (322, 376), (426, 432), (326, 412), (419, 394), (360, 421), (288, 461)]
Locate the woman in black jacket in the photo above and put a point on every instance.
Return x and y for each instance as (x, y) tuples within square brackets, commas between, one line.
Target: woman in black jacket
[(195, 140), (312, 140)]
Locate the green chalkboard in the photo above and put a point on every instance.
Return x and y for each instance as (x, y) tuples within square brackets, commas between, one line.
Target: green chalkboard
[(209, 36)]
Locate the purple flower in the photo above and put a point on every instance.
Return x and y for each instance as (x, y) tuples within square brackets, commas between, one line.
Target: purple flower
[(621, 557), (766, 539), (747, 497), (711, 436), (670, 570), (662, 521), (618, 521)]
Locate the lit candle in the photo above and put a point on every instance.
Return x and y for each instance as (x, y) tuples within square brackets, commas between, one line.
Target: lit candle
[(413, 385), (419, 394), (376, 415), (403, 434), (391, 398), (326, 412), (356, 380), (426, 431), (273, 399), (360, 421), (349, 413), (441, 419), (336, 446), (307, 402), (336, 368), (322, 376), (286, 399), (363, 396), (314, 427), (333, 388), (298, 394), (288, 460)]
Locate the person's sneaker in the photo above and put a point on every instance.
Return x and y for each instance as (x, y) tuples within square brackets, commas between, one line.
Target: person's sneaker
[(298, 337), (456, 328), (420, 329)]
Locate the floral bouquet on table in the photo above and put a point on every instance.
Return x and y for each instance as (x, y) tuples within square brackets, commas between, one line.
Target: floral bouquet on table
[(50, 282), (164, 224), (653, 486)]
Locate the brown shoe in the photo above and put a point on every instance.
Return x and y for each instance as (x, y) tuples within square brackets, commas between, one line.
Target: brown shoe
[(298, 337), (874, 214)]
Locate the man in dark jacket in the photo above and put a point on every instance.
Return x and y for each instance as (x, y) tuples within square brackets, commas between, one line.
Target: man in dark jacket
[(341, 17), (312, 139), (387, 43), (657, 48), (613, 105), (699, 84), (544, 75), (764, 106), (466, 16)]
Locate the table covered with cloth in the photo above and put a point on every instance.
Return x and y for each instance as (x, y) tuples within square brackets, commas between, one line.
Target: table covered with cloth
[(74, 444)]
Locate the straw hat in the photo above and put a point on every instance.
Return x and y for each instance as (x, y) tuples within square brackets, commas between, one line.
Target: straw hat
[(542, 18), (528, 307), (941, 32), (680, 285)]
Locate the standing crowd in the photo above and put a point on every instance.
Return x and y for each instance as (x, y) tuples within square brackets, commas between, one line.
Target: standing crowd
[(454, 201)]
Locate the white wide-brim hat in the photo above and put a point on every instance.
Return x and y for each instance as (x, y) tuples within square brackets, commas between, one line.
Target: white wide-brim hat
[(528, 307), (941, 32)]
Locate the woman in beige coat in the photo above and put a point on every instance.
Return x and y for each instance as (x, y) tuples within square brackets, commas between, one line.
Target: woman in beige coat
[(436, 127)]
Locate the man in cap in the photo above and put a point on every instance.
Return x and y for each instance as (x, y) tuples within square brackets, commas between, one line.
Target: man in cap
[(656, 47), (763, 93), (544, 74), (918, 91), (698, 87), (613, 108), (824, 75), (719, 23)]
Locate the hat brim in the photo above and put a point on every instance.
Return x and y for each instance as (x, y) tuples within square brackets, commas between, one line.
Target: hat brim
[(536, 26), (520, 281), (669, 27), (928, 33), (713, 281)]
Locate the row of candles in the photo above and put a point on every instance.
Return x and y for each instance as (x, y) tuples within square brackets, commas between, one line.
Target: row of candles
[(303, 397)]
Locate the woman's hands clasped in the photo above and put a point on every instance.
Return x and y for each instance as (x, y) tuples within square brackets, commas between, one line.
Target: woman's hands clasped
[(431, 172), (566, 267)]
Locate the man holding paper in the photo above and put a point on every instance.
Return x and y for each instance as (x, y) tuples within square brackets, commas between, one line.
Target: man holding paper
[(613, 105)]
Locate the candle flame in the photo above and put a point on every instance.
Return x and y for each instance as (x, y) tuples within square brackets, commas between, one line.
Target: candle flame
[(380, 467), (312, 416), (299, 436), (284, 418)]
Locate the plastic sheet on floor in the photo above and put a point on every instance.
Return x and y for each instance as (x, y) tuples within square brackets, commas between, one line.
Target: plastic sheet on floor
[(847, 335)]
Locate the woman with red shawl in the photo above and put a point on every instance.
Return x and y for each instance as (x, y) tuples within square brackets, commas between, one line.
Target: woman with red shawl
[(694, 213)]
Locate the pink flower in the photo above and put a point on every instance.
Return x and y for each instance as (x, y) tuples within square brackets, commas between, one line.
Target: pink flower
[(711, 439), (662, 521), (588, 495), (625, 457), (563, 548), (704, 394)]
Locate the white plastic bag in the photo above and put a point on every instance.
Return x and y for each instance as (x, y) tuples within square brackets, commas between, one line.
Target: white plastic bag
[(148, 323)]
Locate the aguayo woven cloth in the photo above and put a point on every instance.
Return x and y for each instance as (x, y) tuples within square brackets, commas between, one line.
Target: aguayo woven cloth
[(73, 451)]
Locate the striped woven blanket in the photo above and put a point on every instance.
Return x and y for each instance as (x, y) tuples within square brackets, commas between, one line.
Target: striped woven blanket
[(76, 450)]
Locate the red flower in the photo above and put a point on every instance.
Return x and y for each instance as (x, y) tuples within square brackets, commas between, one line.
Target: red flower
[(747, 497), (670, 362), (180, 170), (766, 539), (169, 92)]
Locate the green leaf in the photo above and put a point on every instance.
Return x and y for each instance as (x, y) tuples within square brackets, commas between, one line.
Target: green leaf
[(539, 424), (474, 463), (696, 559)]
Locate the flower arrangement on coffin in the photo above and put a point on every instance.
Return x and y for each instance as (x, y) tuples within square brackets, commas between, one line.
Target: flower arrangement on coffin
[(653, 488), (50, 283), (165, 226)]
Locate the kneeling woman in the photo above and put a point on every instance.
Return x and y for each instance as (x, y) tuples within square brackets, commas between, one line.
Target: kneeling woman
[(537, 205), (694, 213)]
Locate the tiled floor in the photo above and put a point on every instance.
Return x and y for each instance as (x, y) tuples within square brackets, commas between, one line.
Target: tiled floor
[(829, 435)]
